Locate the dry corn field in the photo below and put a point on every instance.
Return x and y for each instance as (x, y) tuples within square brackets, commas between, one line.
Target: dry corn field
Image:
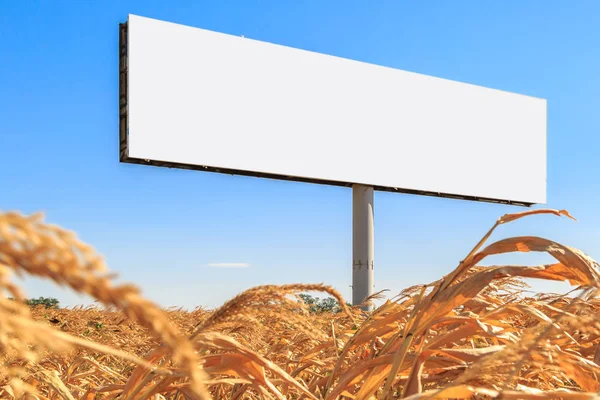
[(475, 333)]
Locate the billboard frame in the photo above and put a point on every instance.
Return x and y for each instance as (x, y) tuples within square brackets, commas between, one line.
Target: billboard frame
[(124, 155)]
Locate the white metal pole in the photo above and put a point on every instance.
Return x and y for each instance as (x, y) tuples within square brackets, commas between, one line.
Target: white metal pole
[(363, 243)]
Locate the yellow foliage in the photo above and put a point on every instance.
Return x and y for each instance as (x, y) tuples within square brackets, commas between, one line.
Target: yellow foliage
[(472, 334)]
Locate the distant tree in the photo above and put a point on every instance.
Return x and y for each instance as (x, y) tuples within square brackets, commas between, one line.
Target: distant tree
[(318, 306), (49, 302), (309, 301)]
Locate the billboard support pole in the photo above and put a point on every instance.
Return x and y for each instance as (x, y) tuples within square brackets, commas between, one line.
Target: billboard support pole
[(363, 244)]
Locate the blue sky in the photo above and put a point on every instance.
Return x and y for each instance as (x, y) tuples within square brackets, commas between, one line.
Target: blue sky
[(161, 228)]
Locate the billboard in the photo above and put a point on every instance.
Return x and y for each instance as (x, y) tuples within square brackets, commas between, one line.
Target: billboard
[(198, 99)]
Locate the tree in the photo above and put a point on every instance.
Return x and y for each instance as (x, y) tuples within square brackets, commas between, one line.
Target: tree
[(318, 306), (49, 302)]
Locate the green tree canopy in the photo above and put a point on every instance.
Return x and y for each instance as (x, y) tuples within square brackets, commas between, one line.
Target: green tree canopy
[(318, 306), (49, 302)]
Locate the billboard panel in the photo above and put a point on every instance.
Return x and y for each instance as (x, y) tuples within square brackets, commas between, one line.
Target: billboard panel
[(193, 98)]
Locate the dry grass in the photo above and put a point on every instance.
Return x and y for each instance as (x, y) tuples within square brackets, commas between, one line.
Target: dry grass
[(473, 333)]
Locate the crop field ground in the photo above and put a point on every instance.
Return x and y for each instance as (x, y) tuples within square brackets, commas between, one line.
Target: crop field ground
[(474, 333)]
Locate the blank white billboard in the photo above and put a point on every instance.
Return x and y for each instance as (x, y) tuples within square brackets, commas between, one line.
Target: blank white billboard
[(196, 98)]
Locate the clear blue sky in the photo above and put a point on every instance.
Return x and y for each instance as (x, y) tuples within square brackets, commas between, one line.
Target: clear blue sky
[(160, 228)]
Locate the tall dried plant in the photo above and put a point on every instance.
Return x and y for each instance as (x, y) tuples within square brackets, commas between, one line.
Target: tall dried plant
[(475, 333)]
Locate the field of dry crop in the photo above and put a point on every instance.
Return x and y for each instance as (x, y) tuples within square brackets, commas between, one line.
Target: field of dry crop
[(472, 334)]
